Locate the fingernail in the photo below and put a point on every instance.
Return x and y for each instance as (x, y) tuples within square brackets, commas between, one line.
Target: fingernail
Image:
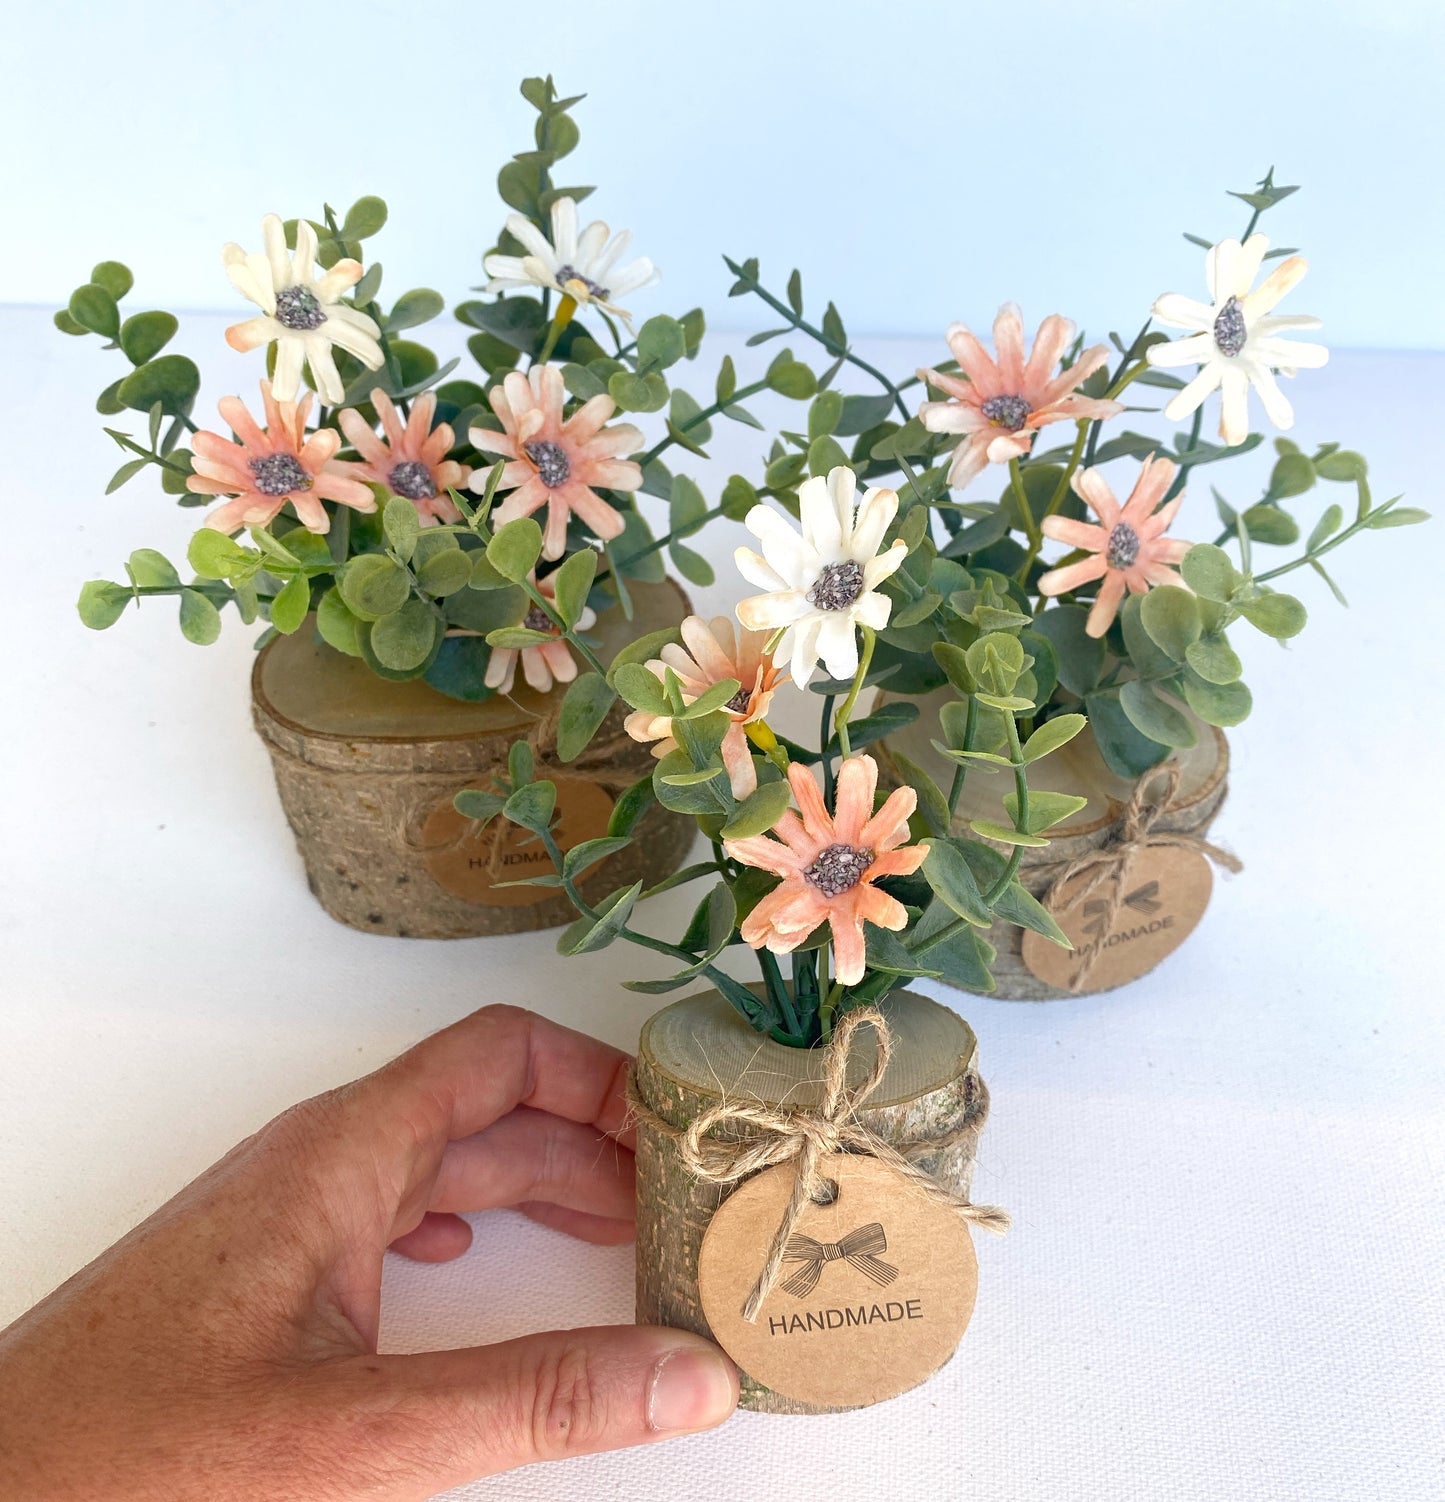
[(692, 1388)]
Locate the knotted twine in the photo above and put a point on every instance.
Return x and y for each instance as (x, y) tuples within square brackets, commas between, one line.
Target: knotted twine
[(1111, 863), (804, 1136)]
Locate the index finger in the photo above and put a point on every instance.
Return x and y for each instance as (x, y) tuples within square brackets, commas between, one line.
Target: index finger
[(471, 1074)]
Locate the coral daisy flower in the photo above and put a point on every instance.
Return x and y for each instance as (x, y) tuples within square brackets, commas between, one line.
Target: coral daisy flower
[(556, 462), (301, 310), (582, 266), (822, 585), (411, 461), (1236, 340), (829, 864), (272, 466), (713, 652), (542, 665), (1003, 402), (1129, 547)]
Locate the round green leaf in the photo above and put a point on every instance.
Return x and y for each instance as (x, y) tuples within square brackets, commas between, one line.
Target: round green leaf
[(1278, 615), (364, 218), (94, 308), (337, 625), (172, 380), (404, 639), (373, 586), (114, 276), (1214, 660), (1217, 703), (102, 603), (1208, 571), (200, 620), (1155, 717), (791, 378), (445, 573), (1171, 617), (419, 306), (402, 525), (144, 335), (289, 607), (660, 342), (638, 393), (515, 548), (1052, 734), (572, 582), (759, 811)]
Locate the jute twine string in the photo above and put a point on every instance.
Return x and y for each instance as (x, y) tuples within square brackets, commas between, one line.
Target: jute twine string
[(1110, 865), (805, 1136)]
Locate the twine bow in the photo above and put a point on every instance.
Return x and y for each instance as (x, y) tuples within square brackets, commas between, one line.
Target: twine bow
[(1111, 865), (859, 1248), (807, 1135)]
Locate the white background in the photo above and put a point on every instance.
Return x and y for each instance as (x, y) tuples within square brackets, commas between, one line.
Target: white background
[(922, 160), (1224, 1277)]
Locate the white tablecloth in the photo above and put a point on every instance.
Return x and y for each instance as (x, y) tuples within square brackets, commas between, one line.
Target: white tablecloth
[(1225, 1274)]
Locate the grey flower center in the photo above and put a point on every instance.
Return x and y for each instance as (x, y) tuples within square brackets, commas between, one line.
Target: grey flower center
[(1009, 412), (537, 619), (298, 308), (740, 701), (838, 869), (553, 465), (279, 474), (837, 586), (1230, 333), (412, 479), (1123, 549), (570, 273)]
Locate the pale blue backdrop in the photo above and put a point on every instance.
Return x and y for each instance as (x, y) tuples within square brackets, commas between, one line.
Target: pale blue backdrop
[(922, 161)]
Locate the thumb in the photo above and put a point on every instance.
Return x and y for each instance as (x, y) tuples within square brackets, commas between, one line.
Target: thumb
[(447, 1417)]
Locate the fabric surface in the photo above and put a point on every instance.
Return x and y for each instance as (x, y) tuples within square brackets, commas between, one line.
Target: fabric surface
[(1224, 1278)]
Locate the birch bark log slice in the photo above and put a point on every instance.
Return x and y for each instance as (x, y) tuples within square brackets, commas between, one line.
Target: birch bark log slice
[(699, 1051), (1076, 768), (366, 769)]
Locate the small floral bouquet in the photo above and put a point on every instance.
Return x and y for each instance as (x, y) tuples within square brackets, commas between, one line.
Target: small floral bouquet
[(925, 592), (353, 492)]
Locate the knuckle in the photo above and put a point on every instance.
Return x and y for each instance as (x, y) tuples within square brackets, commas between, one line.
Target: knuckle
[(568, 1405)]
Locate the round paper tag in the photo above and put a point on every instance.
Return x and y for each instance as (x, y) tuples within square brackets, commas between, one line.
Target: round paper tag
[(1166, 892), (471, 861), (874, 1295)]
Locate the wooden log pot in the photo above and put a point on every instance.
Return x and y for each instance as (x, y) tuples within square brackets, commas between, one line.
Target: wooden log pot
[(367, 769), (1076, 768), (699, 1051)]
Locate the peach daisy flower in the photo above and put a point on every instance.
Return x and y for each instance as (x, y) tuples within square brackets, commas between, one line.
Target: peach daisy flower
[(1129, 547), (301, 310), (713, 652), (548, 662), (829, 864), (272, 466), (555, 461), (1003, 402), (412, 459)]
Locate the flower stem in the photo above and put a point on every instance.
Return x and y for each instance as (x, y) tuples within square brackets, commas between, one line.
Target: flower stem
[(715, 410), (1016, 476), (560, 319), (1021, 814), (840, 722)]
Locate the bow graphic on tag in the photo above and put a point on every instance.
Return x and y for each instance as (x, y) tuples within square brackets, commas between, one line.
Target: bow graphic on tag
[(859, 1248), (1143, 900)]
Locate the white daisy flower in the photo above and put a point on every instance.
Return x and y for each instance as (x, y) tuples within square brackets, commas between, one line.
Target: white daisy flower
[(822, 586), (301, 311), (582, 266), (1237, 342)]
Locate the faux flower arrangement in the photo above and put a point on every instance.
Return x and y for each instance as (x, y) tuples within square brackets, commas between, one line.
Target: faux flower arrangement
[(919, 587), (353, 490)]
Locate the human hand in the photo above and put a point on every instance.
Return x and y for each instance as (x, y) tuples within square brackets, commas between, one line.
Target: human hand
[(226, 1348)]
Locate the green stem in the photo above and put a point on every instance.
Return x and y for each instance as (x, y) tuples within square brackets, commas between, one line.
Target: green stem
[(841, 352), (825, 735), (970, 729), (1016, 478), (1021, 817), (568, 634), (840, 722), (715, 410)]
